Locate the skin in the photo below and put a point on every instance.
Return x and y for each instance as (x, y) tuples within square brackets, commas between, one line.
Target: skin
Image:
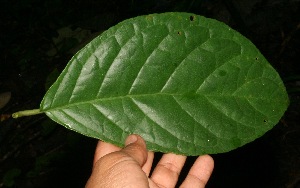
[(130, 167)]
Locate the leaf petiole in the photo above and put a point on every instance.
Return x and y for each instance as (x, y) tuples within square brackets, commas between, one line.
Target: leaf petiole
[(26, 113)]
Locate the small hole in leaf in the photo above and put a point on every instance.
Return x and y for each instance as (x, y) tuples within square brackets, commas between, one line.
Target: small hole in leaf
[(179, 32), (192, 18), (265, 121), (256, 58)]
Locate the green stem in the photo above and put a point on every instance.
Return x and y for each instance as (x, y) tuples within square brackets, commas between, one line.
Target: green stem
[(26, 113)]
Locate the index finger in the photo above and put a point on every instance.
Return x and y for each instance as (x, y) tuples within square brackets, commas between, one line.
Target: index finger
[(104, 148)]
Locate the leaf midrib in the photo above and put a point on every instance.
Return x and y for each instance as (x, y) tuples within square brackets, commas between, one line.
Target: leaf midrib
[(144, 95)]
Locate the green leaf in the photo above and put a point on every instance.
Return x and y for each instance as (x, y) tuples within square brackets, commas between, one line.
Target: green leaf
[(187, 84), (10, 177)]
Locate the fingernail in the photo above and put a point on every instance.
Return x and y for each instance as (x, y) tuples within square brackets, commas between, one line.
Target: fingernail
[(131, 139)]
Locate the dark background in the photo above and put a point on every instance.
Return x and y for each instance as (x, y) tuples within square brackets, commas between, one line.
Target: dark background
[(37, 38)]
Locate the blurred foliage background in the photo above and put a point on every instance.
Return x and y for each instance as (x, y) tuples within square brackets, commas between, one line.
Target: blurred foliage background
[(38, 38)]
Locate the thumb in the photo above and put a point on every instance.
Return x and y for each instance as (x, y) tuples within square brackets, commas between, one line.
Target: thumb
[(122, 167), (135, 147)]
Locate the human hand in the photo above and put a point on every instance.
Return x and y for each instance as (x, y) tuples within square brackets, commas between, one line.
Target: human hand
[(130, 167)]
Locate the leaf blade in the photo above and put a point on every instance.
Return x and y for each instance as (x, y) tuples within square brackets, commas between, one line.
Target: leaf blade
[(187, 86)]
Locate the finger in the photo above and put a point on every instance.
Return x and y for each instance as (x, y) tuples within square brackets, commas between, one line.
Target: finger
[(148, 165), (135, 147), (122, 166), (104, 148), (200, 172), (167, 170)]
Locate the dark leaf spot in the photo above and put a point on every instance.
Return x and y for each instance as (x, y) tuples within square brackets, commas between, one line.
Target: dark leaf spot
[(222, 73), (192, 18)]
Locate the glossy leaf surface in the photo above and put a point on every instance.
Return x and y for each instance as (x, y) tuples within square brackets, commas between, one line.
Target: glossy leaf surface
[(187, 84)]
